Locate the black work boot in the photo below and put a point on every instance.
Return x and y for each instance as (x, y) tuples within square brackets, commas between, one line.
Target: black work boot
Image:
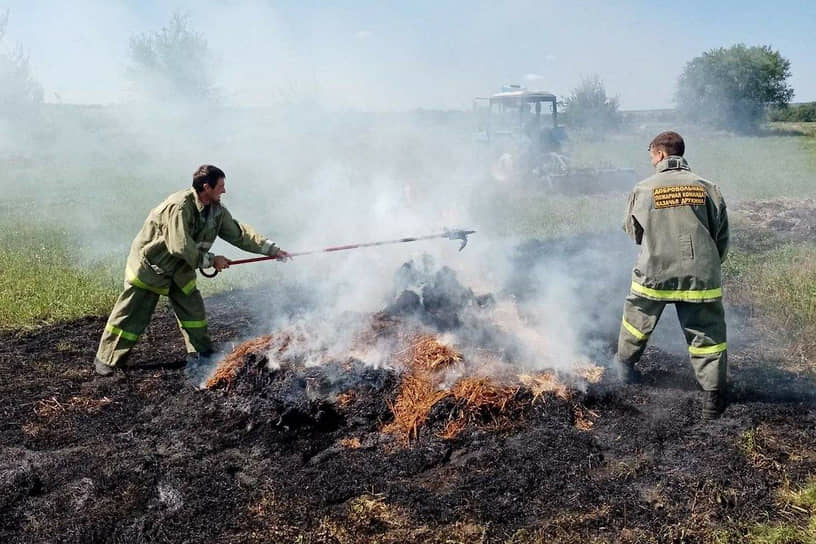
[(199, 366), (714, 404), (627, 373), (101, 368), (195, 358)]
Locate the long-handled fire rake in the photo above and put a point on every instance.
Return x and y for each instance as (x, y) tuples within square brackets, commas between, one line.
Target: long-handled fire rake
[(449, 234)]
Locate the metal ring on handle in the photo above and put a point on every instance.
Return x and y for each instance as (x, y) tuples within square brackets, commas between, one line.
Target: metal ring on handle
[(208, 275)]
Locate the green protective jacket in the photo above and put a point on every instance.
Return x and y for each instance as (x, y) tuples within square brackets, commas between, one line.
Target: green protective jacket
[(175, 240), (680, 222)]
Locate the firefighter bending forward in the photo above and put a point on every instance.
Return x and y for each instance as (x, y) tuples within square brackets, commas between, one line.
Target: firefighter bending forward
[(175, 240), (679, 221)]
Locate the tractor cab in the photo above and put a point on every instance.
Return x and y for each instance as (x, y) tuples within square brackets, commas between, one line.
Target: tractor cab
[(524, 144), (523, 116)]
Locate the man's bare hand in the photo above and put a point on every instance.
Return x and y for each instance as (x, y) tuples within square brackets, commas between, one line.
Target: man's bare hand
[(220, 263), (283, 256)]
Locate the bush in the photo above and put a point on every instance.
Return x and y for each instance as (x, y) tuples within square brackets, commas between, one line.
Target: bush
[(732, 88), (798, 113), (590, 108)]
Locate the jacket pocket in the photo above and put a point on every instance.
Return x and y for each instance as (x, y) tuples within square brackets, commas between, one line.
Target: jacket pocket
[(686, 247), (185, 279), (154, 256)]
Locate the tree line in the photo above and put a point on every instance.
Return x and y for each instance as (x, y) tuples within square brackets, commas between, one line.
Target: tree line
[(735, 88)]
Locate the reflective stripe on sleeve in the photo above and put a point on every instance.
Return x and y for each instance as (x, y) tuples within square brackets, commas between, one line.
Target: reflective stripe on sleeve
[(266, 246), (190, 287), (708, 350), (669, 294), (119, 332), (633, 331), (194, 324)]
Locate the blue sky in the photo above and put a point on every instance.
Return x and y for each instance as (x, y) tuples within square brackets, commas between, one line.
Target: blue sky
[(397, 56)]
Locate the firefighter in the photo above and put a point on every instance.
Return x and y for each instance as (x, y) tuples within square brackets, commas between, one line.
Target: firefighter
[(679, 221), (175, 240)]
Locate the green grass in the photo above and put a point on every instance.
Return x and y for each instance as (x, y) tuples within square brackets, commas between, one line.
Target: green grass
[(526, 214), (794, 127), (799, 504), (41, 282), (780, 282), (46, 277), (745, 167)]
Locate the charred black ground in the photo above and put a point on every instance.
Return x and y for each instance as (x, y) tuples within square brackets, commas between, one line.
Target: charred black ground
[(147, 457)]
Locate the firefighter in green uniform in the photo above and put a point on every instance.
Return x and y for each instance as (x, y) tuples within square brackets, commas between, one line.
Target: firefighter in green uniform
[(175, 240), (679, 221)]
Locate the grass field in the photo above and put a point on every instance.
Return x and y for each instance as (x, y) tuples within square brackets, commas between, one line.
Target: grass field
[(745, 167), (69, 217)]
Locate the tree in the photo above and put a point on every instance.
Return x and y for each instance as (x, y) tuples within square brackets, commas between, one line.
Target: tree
[(588, 107), (173, 64), (20, 93), (732, 88)]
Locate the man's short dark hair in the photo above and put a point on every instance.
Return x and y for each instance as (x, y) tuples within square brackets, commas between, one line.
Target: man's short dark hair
[(669, 142), (209, 174)]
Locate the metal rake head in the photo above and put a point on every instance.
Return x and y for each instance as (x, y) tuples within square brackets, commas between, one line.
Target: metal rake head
[(461, 235)]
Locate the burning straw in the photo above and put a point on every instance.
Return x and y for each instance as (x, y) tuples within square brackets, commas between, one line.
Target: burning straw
[(479, 397), (425, 352), (263, 346), (424, 357), (417, 395), (488, 392), (228, 368)]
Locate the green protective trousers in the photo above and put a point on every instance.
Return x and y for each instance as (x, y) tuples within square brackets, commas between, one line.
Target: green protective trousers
[(132, 311), (703, 324)]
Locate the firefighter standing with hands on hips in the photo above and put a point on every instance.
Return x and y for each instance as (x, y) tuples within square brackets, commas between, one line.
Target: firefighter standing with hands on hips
[(175, 240), (679, 220)]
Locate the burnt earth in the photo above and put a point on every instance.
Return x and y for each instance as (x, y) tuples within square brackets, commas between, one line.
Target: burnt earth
[(146, 457), (298, 454), (767, 224)]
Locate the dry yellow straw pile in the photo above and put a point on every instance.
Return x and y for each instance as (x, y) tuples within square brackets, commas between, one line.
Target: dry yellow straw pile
[(416, 397), (479, 392), (545, 382), (425, 356), (478, 398), (426, 352)]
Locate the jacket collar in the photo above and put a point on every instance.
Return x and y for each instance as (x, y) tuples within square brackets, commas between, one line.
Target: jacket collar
[(673, 162), (199, 205)]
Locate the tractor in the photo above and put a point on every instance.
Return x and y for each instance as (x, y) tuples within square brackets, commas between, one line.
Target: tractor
[(520, 128)]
